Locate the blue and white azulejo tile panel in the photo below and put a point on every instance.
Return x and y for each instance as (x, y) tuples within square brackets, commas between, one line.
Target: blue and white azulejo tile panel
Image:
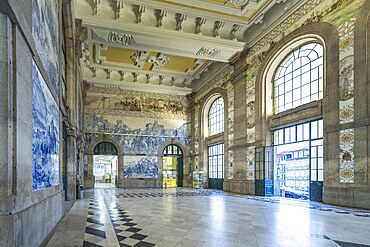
[(140, 167), (45, 30), (45, 134)]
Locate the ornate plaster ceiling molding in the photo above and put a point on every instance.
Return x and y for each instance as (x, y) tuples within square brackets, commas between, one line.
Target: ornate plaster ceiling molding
[(167, 41)]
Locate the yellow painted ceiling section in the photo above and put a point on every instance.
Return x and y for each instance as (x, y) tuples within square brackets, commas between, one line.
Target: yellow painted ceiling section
[(117, 55), (180, 63)]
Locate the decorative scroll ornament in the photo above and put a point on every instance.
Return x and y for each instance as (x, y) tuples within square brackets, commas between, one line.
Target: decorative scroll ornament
[(120, 38), (207, 52), (140, 57)]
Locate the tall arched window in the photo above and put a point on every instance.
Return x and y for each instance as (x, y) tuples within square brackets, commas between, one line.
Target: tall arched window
[(216, 117), (299, 77)]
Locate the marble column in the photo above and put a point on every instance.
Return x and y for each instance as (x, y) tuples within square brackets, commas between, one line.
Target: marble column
[(71, 164)]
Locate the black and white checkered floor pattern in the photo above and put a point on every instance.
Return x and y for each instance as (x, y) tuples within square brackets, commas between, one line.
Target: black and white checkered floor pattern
[(127, 232)]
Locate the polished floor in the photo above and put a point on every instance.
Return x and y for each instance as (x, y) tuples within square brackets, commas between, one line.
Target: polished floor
[(190, 217)]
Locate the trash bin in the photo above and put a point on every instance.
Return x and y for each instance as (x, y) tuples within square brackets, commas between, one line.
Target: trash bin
[(80, 192)]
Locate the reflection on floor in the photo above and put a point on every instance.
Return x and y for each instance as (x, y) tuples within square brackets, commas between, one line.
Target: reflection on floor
[(190, 217), (103, 185)]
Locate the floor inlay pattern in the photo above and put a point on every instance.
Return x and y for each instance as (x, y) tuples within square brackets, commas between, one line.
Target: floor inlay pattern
[(95, 227), (127, 232)]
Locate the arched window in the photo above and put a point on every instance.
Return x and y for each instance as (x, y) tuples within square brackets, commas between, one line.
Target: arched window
[(299, 77), (216, 117)]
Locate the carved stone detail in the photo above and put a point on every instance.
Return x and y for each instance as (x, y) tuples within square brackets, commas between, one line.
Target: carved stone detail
[(119, 10), (235, 29), (217, 26), (160, 14), (199, 21), (138, 10), (180, 18), (97, 7)]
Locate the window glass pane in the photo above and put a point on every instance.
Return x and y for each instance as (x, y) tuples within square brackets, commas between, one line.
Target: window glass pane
[(292, 134), (320, 163), (306, 131), (320, 175), (281, 136), (313, 175), (314, 130), (321, 129)]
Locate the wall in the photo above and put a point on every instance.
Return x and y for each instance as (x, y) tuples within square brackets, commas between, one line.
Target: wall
[(139, 123), (346, 180), (32, 196), (28, 200), (342, 26)]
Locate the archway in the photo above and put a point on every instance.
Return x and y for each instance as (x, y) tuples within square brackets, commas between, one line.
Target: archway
[(105, 151), (173, 166), (175, 151), (105, 165)]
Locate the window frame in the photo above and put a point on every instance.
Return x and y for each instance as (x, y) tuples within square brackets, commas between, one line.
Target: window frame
[(289, 80)]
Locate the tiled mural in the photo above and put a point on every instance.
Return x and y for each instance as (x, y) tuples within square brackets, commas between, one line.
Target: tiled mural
[(134, 140), (347, 159), (139, 121), (140, 167), (346, 72), (45, 134), (230, 134), (251, 102), (45, 30), (106, 101)]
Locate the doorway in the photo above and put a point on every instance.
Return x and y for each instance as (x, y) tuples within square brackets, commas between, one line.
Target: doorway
[(105, 171), (173, 167), (105, 165), (216, 166), (298, 161)]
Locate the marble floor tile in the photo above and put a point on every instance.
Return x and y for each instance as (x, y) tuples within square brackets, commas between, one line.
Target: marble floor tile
[(208, 218)]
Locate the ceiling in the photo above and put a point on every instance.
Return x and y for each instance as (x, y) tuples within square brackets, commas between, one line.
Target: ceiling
[(164, 45)]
